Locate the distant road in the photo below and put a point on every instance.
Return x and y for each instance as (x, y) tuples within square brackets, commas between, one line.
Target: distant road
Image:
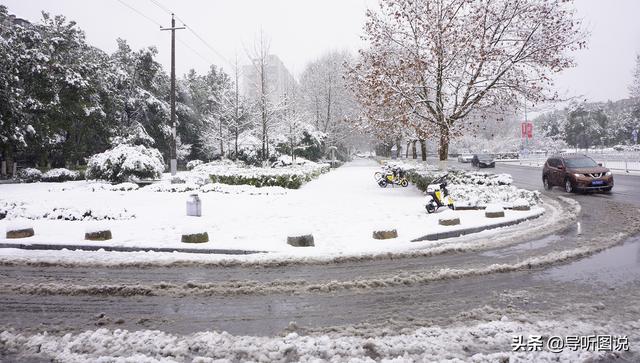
[(626, 189)]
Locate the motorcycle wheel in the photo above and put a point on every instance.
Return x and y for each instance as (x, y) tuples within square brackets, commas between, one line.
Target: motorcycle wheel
[(430, 208), (382, 183), (404, 183)]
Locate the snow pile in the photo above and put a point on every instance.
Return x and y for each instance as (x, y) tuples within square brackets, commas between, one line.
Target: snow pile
[(193, 163), (486, 341), (60, 175), (242, 189), (18, 224), (124, 163), (520, 202), (20, 210), (29, 175), (494, 208)]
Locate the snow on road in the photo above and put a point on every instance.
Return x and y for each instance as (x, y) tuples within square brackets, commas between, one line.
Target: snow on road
[(491, 341), (341, 209)]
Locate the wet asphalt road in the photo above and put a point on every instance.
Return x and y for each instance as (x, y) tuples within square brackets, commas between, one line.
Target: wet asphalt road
[(610, 279)]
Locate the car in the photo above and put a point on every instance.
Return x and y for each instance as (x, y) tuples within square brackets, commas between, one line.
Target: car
[(465, 158), (576, 172), (483, 161)]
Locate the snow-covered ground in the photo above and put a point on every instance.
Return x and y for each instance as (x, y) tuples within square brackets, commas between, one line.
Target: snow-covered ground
[(341, 209), (488, 341)]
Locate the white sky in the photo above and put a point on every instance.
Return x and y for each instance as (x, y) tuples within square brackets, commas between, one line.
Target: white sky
[(301, 30)]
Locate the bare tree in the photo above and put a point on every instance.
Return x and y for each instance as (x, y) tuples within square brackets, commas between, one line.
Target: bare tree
[(439, 60), (635, 84), (324, 95), (263, 91), (240, 118)]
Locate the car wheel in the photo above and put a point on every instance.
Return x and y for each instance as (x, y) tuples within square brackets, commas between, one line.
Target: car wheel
[(545, 182), (607, 190), (568, 186)]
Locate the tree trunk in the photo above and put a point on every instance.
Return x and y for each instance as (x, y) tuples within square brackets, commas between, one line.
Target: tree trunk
[(423, 149), (235, 156), (414, 151), (443, 150), (406, 152)]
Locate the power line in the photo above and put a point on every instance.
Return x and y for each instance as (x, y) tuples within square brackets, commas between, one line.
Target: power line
[(207, 60), (189, 28), (204, 58), (139, 13)]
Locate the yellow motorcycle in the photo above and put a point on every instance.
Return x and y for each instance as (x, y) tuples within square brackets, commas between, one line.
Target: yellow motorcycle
[(438, 195), (393, 176)]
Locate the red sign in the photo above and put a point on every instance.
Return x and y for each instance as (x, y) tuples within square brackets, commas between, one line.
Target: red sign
[(527, 130)]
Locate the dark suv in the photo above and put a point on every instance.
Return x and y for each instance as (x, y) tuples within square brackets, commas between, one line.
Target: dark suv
[(576, 173)]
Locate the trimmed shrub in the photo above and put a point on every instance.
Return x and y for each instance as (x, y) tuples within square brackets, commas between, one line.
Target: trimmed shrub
[(126, 163), (29, 175), (60, 175), (290, 178), (193, 163)]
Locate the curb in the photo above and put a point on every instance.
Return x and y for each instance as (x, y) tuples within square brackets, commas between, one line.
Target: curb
[(464, 231), (52, 247)]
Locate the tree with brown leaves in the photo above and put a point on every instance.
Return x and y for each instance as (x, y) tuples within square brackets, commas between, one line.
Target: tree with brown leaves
[(434, 62)]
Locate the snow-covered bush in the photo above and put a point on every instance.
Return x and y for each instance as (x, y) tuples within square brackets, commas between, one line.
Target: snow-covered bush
[(290, 177), (29, 175), (172, 188), (193, 163), (469, 195), (60, 175), (21, 210), (124, 187), (475, 189), (126, 163), (241, 189)]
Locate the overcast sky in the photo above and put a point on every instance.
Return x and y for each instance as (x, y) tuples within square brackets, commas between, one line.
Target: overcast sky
[(301, 30)]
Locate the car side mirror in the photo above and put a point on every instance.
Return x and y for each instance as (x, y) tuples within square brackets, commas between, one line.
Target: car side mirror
[(561, 167), (599, 164)]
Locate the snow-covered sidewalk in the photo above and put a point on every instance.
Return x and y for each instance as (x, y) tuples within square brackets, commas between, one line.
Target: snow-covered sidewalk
[(341, 209)]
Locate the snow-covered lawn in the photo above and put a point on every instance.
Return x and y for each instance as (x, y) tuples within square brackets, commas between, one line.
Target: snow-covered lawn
[(341, 209)]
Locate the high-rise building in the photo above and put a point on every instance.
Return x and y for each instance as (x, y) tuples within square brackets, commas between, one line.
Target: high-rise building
[(278, 80)]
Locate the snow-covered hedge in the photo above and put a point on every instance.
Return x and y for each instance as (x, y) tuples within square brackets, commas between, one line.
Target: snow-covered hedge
[(29, 175), (241, 189), (193, 163), (291, 177), (469, 195), (60, 175), (476, 189), (19, 210), (126, 163)]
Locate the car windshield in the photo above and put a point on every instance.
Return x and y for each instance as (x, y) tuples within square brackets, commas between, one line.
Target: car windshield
[(485, 157), (580, 163)]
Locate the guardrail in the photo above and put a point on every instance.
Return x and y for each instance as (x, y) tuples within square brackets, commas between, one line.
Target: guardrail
[(628, 162)]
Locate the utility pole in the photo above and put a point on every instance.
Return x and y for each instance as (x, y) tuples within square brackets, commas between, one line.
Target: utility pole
[(173, 152)]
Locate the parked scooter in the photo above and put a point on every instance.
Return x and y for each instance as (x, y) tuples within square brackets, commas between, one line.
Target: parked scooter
[(390, 175), (438, 195)]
